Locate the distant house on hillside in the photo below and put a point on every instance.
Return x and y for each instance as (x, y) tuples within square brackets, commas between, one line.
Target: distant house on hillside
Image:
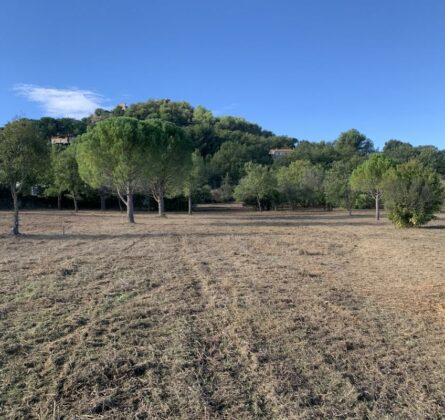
[(278, 153), (63, 140)]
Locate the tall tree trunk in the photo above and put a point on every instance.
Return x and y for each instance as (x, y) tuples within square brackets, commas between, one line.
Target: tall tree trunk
[(15, 227), (130, 205), (59, 201), (348, 201), (190, 204), (377, 206), (161, 208), (103, 202), (259, 203), (76, 209)]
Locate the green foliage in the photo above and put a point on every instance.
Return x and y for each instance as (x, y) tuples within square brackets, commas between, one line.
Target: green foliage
[(53, 187), (301, 183), (318, 153), (196, 179), (202, 116), (230, 160), (131, 155), (179, 113), (169, 158), (398, 151), (430, 156), (206, 132), (169, 153), (148, 147), (118, 111), (23, 154), (352, 142), (204, 138), (99, 114), (238, 124), (241, 148), (337, 185), (349, 145), (413, 194), (114, 154), (224, 193), (368, 177), (65, 173), (258, 184), (49, 127), (363, 201)]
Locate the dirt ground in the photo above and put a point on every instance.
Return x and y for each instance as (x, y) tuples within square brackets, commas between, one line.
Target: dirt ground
[(224, 314)]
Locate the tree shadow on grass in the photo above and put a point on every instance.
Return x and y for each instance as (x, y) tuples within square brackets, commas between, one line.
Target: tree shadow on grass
[(434, 227), (296, 223), (307, 216), (105, 236)]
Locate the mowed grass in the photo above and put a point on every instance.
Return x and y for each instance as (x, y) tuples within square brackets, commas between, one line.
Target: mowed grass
[(235, 315)]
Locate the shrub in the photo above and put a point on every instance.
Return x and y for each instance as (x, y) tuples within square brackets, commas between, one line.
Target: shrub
[(413, 193), (223, 194), (301, 184), (258, 185)]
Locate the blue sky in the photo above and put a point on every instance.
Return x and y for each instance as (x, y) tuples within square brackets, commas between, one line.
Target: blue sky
[(305, 68)]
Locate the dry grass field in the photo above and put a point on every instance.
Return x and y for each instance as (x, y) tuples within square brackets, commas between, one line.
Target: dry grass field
[(224, 314)]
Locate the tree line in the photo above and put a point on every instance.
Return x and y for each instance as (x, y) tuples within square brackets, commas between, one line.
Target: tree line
[(412, 192), (162, 148), (351, 173)]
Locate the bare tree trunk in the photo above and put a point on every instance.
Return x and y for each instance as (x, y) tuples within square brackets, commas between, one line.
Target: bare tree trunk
[(348, 201), (190, 204), (15, 227), (161, 208), (76, 209), (259, 204), (119, 202), (59, 201), (128, 202), (377, 206), (130, 205)]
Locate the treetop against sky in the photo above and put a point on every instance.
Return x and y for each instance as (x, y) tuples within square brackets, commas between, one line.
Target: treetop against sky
[(308, 69)]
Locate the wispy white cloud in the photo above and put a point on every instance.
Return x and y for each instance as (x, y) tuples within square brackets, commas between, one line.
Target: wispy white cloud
[(73, 103)]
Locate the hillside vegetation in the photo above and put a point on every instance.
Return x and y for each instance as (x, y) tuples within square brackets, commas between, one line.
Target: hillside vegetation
[(160, 150)]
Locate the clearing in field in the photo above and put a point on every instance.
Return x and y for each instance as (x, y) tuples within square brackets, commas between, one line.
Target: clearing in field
[(224, 314)]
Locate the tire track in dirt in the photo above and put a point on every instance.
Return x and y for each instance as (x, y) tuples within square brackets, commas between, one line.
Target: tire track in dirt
[(307, 321), (223, 356), (88, 320), (339, 327), (212, 320)]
